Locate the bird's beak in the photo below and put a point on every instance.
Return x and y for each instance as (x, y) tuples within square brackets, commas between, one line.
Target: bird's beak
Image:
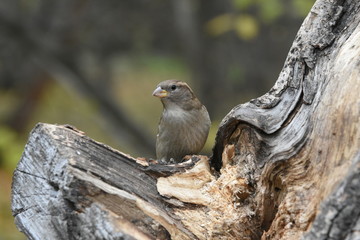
[(160, 93)]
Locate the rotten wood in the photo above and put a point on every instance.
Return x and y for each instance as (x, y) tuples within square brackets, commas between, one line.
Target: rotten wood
[(284, 166)]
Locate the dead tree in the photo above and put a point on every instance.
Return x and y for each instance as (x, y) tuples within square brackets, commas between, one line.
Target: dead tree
[(284, 166)]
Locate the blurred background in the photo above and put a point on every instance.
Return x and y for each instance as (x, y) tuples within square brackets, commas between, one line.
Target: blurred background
[(94, 64)]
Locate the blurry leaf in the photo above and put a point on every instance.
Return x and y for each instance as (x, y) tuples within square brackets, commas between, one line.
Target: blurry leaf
[(270, 10), (302, 7), (242, 4), (219, 25), (246, 27)]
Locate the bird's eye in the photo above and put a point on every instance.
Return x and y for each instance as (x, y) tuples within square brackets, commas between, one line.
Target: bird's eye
[(173, 87)]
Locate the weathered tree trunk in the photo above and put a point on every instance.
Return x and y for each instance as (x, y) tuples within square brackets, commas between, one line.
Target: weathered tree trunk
[(284, 166)]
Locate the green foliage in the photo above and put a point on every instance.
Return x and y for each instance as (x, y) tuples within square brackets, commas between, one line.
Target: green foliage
[(8, 230), (161, 65), (242, 4), (302, 7), (220, 24), (251, 14), (270, 10), (11, 148), (246, 27)]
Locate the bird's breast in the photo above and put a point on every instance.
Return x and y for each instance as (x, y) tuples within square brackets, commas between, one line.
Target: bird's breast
[(178, 116), (182, 132), (190, 126)]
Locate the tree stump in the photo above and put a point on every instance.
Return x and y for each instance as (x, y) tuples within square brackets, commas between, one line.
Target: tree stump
[(284, 166)]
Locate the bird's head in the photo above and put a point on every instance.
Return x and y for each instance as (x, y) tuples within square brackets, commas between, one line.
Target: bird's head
[(174, 92)]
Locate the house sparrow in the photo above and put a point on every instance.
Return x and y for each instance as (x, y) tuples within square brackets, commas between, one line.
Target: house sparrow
[(184, 124)]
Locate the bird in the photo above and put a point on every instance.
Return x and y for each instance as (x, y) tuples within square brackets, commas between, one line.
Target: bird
[(184, 124)]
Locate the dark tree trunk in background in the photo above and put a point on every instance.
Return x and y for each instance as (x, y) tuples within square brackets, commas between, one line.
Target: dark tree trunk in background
[(203, 51), (285, 165), (226, 68)]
